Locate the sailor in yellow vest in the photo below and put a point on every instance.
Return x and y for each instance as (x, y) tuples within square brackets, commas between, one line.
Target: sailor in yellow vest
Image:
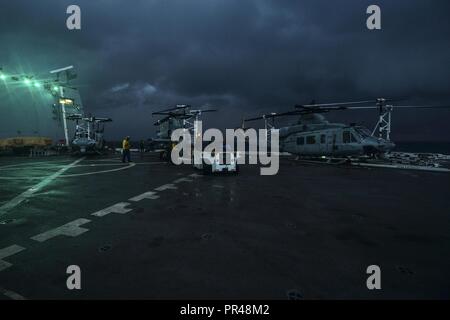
[(126, 149)]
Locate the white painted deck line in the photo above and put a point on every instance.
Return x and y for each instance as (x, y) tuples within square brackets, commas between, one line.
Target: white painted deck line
[(11, 204)]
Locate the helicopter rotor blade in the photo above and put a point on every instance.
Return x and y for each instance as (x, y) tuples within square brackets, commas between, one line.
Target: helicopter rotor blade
[(103, 119), (276, 115), (178, 107), (254, 119), (161, 113), (196, 112), (334, 104), (323, 108), (348, 103), (399, 107), (423, 107)]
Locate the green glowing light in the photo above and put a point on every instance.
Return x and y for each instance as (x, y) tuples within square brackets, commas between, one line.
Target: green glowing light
[(27, 81), (37, 84), (2, 76), (55, 88)]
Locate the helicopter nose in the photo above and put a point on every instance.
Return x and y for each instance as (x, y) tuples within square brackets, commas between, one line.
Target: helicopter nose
[(377, 146), (386, 146), (370, 149)]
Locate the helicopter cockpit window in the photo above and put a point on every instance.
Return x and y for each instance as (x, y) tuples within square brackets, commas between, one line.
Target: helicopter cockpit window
[(310, 139), (301, 140), (364, 132), (346, 136), (322, 138)]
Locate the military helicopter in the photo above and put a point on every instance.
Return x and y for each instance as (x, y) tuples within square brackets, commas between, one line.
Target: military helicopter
[(88, 133), (180, 116), (313, 136)]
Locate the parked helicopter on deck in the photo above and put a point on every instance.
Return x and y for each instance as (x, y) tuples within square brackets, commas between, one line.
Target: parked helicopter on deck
[(313, 136), (180, 116), (89, 133)]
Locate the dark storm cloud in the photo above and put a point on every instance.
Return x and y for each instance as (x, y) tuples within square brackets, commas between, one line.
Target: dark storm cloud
[(242, 56)]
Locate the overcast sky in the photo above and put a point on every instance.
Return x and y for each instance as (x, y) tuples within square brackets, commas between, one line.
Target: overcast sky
[(242, 56)]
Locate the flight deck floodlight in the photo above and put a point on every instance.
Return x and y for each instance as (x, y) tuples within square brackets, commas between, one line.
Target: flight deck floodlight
[(66, 101)]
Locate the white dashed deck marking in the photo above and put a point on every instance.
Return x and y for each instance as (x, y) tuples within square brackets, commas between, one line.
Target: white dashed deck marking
[(183, 180), (6, 252), (116, 208), (147, 195), (4, 209), (169, 186), (11, 294), (71, 229)]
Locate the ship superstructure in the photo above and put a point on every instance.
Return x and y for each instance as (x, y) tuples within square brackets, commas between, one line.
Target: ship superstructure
[(32, 110)]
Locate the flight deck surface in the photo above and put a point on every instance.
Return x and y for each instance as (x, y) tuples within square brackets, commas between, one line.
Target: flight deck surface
[(154, 230)]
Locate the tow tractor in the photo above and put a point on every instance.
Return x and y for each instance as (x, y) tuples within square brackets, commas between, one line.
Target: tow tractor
[(224, 161)]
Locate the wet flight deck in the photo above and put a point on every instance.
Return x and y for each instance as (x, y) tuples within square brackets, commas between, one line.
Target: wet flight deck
[(154, 230)]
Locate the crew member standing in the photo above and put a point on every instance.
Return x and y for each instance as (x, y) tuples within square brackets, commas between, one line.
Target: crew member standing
[(126, 149), (142, 147)]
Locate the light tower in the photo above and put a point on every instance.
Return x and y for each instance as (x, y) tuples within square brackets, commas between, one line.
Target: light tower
[(61, 101)]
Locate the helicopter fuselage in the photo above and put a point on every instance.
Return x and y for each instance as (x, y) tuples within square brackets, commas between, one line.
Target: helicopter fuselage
[(331, 140), (87, 138)]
